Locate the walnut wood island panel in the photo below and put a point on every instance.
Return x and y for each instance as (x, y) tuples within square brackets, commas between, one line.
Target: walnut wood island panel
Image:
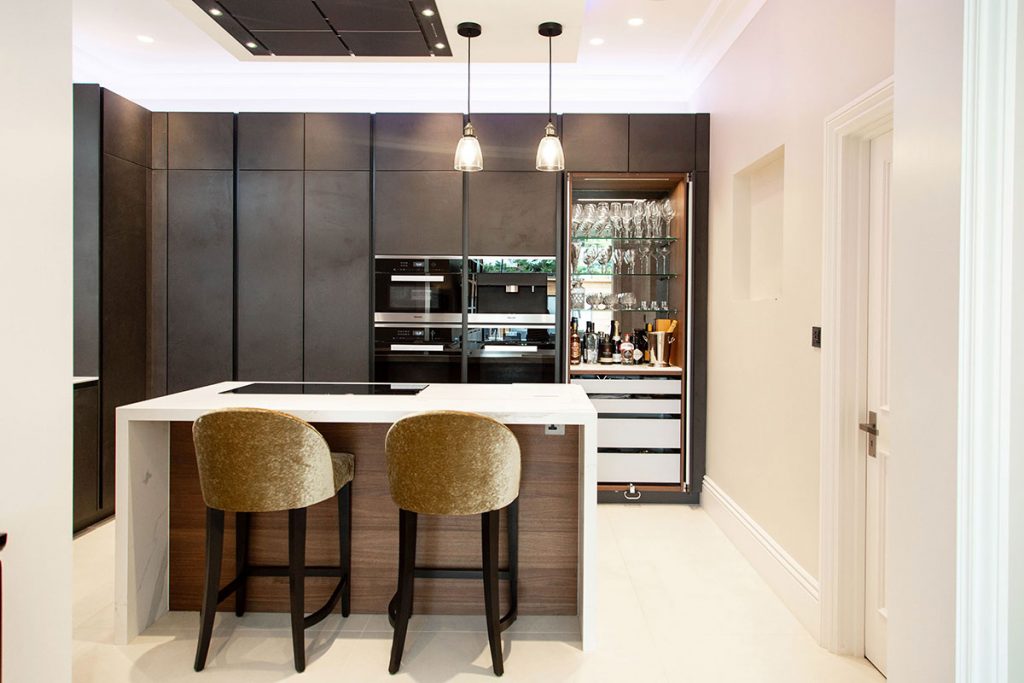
[(160, 511)]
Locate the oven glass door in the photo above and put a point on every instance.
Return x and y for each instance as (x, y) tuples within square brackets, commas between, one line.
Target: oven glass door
[(421, 294), (417, 353), (505, 355)]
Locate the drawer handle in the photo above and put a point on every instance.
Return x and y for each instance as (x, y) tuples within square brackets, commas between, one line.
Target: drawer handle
[(632, 490)]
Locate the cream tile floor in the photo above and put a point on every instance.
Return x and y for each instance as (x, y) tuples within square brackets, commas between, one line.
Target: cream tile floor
[(678, 603)]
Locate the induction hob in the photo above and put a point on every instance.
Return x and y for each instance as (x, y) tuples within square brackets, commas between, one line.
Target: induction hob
[(330, 388)]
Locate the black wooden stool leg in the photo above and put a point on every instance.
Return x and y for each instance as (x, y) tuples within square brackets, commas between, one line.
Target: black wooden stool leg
[(345, 545), (211, 586), (297, 583), (513, 558), (241, 559), (406, 576), (489, 538)]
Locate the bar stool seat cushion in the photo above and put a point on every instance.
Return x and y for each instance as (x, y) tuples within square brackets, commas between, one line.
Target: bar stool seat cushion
[(448, 462), (344, 465)]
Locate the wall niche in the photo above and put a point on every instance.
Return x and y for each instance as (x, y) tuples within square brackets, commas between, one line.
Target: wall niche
[(758, 199)]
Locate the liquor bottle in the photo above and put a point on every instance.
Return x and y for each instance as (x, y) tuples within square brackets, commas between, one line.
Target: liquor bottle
[(626, 349), (575, 350), (639, 346), (605, 357), (616, 341), (591, 344), (647, 349)]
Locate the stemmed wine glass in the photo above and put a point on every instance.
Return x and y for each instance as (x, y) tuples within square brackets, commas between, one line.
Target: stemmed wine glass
[(668, 212), (601, 224), (587, 222), (627, 220), (654, 218), (615, 218), (664, 250), (638, 219), (629, 256), (577, 219), (644, 247)]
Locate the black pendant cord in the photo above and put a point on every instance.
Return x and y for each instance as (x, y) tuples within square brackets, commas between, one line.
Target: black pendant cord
[(549, 79), (469, 76)]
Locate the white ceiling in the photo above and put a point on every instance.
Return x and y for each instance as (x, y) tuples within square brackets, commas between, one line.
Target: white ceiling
[(193, 65)]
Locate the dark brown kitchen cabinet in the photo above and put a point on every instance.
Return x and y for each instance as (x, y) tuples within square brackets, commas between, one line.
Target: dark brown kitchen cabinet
[(509, 141), (123, 298), (703, 162), (416, 142), (86, 221), (336, 339), (200, 278), (127, 129), (662, 143), (338, 142), (596, 142), (200, 141), (271, 141), (269, 258), (418, 213), (86, 467), (512, 213)]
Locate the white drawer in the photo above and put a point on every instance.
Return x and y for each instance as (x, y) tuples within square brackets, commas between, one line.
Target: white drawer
[(638, 433), (637, 405), (638, 468), (630, 386)]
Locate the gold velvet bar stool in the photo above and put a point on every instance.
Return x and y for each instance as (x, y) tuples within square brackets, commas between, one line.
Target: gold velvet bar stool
[(254, 460), (454, 463)]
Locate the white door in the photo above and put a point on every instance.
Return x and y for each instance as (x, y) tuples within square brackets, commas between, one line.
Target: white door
[(876, 448)]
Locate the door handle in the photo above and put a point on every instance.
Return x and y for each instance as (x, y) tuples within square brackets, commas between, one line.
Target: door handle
[(871, 429)]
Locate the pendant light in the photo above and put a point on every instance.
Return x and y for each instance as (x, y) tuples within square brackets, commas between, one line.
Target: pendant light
[(549, 151), (468, 156)]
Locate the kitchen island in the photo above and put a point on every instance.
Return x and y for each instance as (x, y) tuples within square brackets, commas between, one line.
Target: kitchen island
[(160, 510)]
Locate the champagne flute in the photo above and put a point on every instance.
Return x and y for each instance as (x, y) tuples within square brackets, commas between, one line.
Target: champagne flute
[(627, 219)]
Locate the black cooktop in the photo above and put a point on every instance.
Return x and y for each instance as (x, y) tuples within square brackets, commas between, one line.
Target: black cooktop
[(329, 388)]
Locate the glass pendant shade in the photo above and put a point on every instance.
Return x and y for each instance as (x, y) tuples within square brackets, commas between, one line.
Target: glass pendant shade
[(468, 156), (549, 151)]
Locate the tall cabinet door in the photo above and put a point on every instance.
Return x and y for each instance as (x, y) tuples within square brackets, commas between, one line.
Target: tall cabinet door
[(513, 213), (200, 278), (418, 213), (596, 142), (337, 276), (270, 279), (662, 142)]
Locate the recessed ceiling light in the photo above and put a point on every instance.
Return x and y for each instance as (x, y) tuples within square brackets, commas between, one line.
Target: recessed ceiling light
[(636, 21), (251, 45), (216, 12), (440, 46), (597, 41), (145, 39), (428, 12)]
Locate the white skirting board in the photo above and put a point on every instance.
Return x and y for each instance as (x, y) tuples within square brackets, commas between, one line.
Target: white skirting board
[(797, 589)]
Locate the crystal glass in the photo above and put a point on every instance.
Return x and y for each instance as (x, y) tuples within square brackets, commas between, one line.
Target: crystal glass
[(609, 301), (627, 219), (668, 212), (664, 251), (593, 300), (628, 300), (615, 217), (639, 218), (629, 258), (654, 219), (577, 219), (602, 226), (578, 295), (587, 223), (644, 248)]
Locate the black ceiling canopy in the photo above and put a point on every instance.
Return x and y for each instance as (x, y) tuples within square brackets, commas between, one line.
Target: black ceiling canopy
[(321, 28)]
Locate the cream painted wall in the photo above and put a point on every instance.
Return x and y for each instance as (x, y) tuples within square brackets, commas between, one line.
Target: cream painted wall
[(35, 344), (796, 63), (925, 302)]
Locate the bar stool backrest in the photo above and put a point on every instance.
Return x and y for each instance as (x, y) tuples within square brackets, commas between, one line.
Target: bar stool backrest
[(256, 460), (452, 463)]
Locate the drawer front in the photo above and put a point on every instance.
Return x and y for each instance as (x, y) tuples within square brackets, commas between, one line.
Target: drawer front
[(649, 406), (638, 468), (638, 433), (630, 386)]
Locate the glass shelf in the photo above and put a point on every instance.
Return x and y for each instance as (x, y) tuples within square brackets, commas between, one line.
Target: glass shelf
[(626, 310), (595, 273), (625, 239)]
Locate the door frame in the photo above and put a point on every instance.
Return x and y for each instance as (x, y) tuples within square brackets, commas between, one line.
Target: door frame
[(848, 133)]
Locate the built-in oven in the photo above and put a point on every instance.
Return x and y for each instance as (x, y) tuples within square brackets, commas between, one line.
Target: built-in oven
[(418, 289), (507, 352), (416, 352)]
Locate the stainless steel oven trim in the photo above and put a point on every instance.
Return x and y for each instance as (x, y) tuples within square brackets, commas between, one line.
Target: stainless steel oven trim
[(547, 319), (417, 257), (417, 319), (510, 348), (417, 278), (486, 326), (417, 347), (441, 326)]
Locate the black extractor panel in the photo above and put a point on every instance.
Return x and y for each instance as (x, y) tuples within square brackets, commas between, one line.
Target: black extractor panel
[(328, 28)]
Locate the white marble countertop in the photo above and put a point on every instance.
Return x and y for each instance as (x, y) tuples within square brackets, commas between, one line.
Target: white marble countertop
[(509, 403), (83, 380)]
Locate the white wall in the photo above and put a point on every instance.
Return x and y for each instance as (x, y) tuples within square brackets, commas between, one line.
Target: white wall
[(796, 63), (925, 300), (35, 338)]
